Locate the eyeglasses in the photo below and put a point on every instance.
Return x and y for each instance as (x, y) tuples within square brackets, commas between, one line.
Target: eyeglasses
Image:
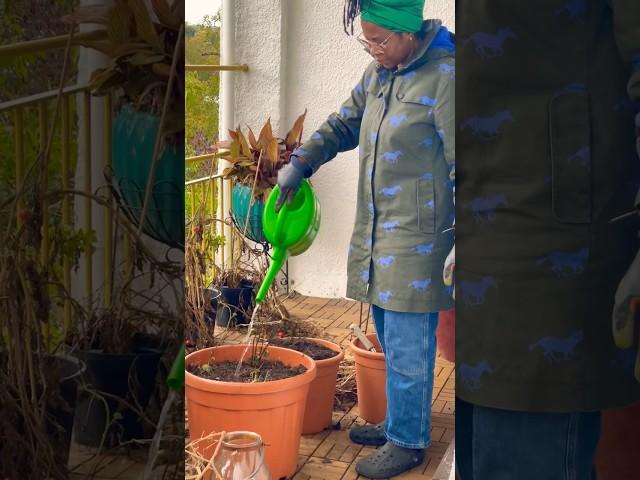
[(373, 46)]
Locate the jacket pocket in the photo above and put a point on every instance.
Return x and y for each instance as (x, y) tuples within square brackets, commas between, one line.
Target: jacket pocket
[(570, 149), (426, 205)]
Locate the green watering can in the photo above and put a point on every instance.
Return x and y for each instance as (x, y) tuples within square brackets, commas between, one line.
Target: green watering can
[(289, 231)]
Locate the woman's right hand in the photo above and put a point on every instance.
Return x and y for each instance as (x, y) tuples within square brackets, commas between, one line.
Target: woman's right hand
[(289, 180)]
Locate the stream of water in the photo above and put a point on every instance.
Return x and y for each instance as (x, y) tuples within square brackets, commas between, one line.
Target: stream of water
[(246, 340)]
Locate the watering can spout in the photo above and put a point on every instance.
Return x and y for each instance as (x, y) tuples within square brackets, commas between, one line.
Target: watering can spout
[(279, 256), (290, 231)]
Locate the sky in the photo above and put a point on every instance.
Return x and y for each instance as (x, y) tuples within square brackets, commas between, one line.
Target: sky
[(195, 10)]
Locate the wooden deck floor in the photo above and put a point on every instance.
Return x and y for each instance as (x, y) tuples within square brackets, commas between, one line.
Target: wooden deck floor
[(330, 454)]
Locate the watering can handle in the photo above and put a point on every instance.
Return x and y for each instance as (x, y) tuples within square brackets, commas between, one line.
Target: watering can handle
[(278, 231)]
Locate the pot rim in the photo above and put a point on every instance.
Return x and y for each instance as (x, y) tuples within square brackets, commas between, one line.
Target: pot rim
[(256, 388), (357, 349), (325, 343)]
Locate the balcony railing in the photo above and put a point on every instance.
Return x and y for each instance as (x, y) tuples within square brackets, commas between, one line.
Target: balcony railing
[(41, 104)]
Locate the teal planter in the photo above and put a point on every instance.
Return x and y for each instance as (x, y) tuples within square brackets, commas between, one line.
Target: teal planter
[(240, 198), (134, 135)]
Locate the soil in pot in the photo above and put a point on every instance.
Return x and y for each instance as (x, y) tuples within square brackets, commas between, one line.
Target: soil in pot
[(308, 347), (226, 371)]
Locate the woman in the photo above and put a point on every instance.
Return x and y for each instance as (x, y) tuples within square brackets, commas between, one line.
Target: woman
[(401, 115)]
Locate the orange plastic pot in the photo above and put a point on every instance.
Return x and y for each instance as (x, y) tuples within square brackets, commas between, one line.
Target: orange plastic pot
[(617, 455), (322, 391), (446, 335), (371, 378), (274, 410)]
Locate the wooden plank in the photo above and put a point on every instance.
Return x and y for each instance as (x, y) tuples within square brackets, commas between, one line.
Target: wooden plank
[(323, 469)]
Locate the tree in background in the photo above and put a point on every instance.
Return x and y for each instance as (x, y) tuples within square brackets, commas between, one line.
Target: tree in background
[(202, 47), (25, 75)]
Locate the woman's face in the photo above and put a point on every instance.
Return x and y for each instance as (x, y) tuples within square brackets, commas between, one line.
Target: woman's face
[(388, 48)]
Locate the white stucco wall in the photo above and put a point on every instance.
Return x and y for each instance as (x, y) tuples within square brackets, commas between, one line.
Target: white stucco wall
[(299, 57)]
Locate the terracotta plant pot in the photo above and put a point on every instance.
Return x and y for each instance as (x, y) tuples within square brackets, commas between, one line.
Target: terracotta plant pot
[(617, 455), (371, 377), (446, 335), (319, 411), (274, 410)]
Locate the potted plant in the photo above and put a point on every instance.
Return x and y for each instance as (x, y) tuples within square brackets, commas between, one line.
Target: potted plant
[(254, 387), (371, 377), (327, 356), (237, 297), (254, 170), (145, 75)]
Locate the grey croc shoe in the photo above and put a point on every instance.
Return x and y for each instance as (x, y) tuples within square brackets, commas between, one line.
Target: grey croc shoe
[(389, 461), (372, 435)]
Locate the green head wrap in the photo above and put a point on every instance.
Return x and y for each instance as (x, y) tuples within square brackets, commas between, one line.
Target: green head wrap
[(394, 15)]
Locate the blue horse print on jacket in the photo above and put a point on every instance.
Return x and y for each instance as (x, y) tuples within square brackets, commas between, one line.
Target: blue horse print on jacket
[(566, 264), (484, 208), (385, 296), (391, 192), (396, 120), (428, 101), (487, 128), (392, 157), (558, 348), (424, 250), (471, 375), (489, 45), (386, 261), (427, 142), (421, 285), (582, 156), (390, 227), (447, 69), (474, 293)]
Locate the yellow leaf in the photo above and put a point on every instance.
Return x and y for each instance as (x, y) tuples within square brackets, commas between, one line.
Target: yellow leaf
[(293, 137), (252, 140), (144, 25), (244, 146), (165, 14), (273, 150), (266, 134), (119, 24)]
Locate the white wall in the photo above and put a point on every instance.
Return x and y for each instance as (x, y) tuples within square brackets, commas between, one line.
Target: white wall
[(299, 57)]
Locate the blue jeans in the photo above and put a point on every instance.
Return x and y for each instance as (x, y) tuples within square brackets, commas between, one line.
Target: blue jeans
[(409, 343), (494, 444)]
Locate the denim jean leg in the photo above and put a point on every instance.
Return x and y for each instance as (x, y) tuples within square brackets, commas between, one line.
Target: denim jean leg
[(531, 446), (378, 320), (410, 359)]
